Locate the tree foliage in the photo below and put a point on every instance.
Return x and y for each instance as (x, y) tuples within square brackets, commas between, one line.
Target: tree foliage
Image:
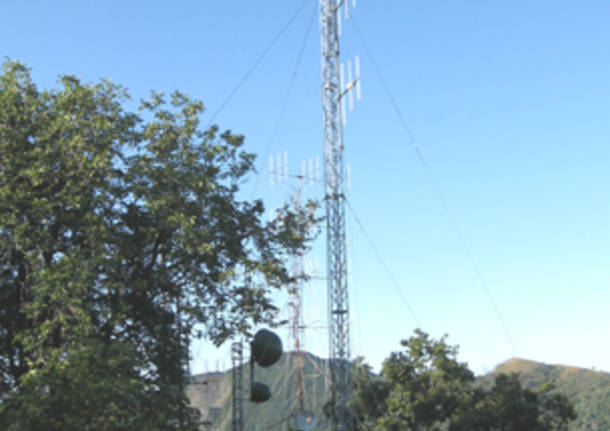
[(589, 390), (425, 388), (122, 235)]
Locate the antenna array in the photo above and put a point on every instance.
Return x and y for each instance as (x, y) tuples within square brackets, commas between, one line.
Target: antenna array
[(347, 88), (279, 172)]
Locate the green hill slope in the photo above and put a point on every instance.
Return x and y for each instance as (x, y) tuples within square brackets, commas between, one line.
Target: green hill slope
[(589, 390)]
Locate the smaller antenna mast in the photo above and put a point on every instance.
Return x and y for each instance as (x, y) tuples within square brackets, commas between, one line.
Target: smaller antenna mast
[(238, 389)]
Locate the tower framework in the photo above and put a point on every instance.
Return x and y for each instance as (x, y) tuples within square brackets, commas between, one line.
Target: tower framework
[(237, 390), (338, 305)]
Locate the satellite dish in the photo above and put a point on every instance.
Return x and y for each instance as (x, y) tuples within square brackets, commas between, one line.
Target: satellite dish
[(305, 420), (266, 348), (259, 392)]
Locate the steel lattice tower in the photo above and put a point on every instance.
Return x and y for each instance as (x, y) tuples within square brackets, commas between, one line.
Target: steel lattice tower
[(338, 305), (238, 389)]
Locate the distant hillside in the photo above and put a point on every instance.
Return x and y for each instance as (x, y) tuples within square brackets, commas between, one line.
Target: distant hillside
[(589, 390), (211, 393)]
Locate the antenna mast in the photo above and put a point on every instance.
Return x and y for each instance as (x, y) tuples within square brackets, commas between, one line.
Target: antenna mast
[(336, 252), (297, 317)]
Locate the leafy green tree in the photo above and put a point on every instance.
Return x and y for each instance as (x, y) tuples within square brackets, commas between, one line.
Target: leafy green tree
[(370, 394), (121, 237), (508, 406), (427, 384), (425, 388)]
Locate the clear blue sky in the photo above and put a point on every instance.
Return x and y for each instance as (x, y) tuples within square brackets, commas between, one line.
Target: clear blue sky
[(508, 101)]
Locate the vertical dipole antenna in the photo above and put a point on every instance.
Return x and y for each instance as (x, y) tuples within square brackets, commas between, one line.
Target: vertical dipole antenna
[(271, 171), (336, 253)]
